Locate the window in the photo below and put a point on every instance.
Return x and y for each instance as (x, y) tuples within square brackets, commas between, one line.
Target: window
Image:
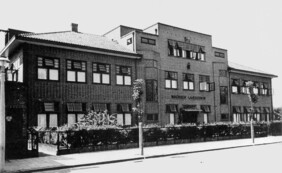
[(47, 69), (148, 41), (256, 88), (188, 81), (15, 71), (266, 112), (236, 114), (124, 116), (186, 50), (129, 41), (100, 107), (257, 114), (171, 110), (235, 86), (151, 90), (200, 55), (76, 71), (171, 80), (223, 73), (47, 115), (101, 73), (206, 109), (247, 113), (193, 55), (75, 112), (123, 75), (219, 54), (205, 84), (152, 117), (177, 51), (223, 95), (264, 89), (244, 88)]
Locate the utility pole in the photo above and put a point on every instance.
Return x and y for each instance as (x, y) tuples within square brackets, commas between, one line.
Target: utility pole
[(253, 98), (137, 96)]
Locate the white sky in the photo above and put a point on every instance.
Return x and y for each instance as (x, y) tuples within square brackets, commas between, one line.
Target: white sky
[(251, 30)]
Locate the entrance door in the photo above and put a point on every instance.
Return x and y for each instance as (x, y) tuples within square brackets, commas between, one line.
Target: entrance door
[(190, 117), (14, 133)]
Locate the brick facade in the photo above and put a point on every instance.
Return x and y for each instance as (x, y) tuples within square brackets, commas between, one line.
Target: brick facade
[(157, 60)]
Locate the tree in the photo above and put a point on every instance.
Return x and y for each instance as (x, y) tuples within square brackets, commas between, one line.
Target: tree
[(138, 86), (253, 98)]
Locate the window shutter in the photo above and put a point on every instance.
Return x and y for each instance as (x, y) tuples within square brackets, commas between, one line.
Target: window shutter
[(211, 86), (49, 107), (40, 61), (77, 107), (95, 68), (77, 65), (69, 66), (70, 107), (49, 62)]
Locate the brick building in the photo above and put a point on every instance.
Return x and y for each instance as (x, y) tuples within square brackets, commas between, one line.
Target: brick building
[(187, 79)]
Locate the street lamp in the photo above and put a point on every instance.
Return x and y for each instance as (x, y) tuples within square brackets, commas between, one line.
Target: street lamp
[(4, 62)]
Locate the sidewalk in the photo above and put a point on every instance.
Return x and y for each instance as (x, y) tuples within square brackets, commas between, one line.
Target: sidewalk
[(104, 157)]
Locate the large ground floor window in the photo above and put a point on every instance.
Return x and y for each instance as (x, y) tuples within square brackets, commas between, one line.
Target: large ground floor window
[(124, 115), (47, 120)]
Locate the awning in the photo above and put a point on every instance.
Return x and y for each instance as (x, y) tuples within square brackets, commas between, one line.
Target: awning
[(266, 110), (187, 46), (257, 110), (247, 109), (171, 108), (205, 108), (237, 109)]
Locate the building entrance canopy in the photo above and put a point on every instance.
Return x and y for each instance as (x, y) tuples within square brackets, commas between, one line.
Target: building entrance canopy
[(192, 110)]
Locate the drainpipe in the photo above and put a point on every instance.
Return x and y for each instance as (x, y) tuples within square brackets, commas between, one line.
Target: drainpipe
[(229, 93)]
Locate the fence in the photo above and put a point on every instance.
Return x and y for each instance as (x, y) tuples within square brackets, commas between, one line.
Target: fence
[(77, 141)]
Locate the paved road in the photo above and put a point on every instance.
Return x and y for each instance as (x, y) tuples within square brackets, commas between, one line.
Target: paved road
[(263, 158)]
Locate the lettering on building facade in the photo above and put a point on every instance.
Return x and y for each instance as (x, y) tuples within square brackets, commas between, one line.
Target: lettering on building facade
[(188, 97)]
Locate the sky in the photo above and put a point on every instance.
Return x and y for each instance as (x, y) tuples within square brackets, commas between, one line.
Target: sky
[(251, 30)]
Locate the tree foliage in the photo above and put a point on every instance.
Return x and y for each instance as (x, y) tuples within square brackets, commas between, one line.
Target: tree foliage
[(137, 96)]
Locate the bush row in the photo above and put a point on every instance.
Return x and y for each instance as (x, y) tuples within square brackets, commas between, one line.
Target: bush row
[(115, 136)]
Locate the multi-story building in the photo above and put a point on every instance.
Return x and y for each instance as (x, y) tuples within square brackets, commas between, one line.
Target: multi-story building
[(187, 79)]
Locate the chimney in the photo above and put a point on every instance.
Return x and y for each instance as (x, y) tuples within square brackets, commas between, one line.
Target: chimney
[(74, 27)]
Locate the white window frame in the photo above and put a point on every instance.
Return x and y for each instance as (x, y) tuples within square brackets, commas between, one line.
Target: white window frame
[(48, 68), (73, 74), (103, 76)]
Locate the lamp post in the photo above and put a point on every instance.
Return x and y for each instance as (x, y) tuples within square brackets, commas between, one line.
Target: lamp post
[(3, 64)]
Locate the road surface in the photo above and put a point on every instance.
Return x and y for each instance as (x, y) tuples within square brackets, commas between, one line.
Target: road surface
[(255, 159)]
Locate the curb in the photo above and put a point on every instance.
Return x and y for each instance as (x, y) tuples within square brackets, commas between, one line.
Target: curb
[(136, 158)]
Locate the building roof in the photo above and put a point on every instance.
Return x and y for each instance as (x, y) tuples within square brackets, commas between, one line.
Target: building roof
[(238, 67), (78, 38)]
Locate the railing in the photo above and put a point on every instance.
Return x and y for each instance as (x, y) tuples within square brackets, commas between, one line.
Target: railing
[(109, 139)]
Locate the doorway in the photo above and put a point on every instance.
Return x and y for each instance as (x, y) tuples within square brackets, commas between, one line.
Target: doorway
[(190, 116)]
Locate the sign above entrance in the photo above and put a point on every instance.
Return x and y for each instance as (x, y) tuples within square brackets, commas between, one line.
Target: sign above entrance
[(189, 97)]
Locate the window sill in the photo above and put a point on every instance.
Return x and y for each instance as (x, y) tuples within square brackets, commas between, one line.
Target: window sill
[(76, 82), (101, 83), (123, 85), (171, 88)]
